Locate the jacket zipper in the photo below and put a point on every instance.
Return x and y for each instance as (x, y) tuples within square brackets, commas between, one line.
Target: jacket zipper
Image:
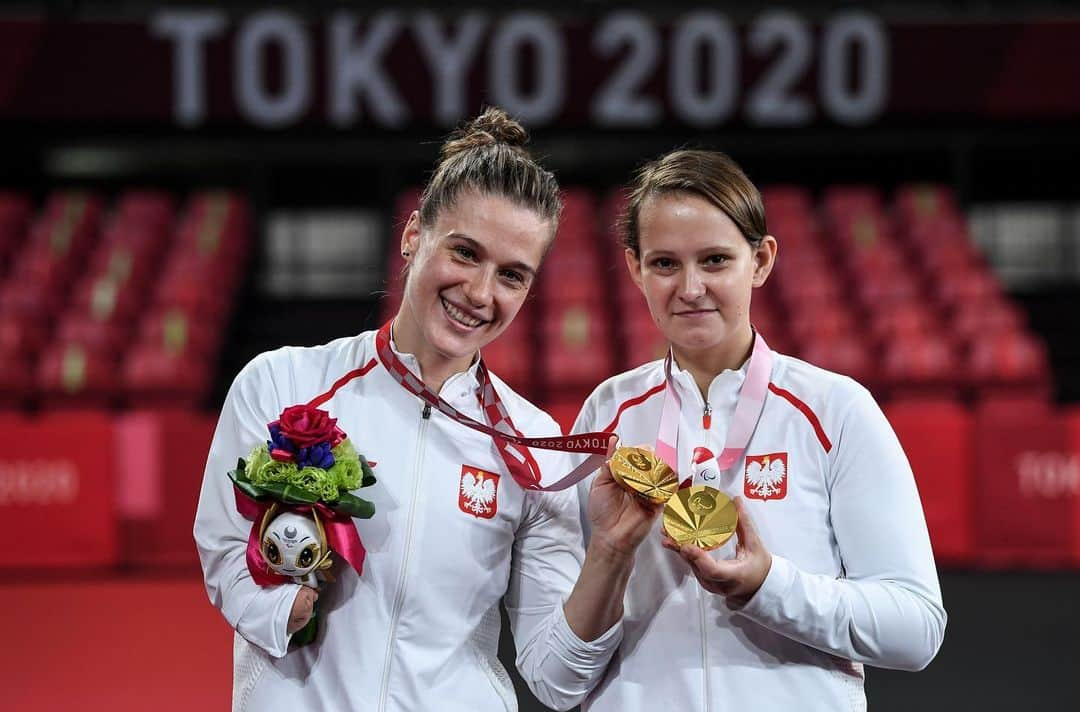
[(706, 416), (704, 653), (399, 599)]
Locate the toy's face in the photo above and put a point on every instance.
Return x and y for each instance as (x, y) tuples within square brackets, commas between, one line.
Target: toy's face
[(291, 544)]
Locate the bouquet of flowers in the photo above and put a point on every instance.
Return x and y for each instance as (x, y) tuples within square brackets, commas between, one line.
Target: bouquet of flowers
[(296, 490)]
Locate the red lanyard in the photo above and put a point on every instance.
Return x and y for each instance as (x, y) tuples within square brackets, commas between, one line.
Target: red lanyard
[(512, 446)]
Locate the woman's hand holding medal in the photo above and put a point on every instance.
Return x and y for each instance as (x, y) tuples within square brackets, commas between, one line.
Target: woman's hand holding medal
[(739, 578), (620, 519), (696, 520)]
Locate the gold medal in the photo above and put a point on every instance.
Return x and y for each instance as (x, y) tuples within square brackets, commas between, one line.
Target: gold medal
[(700, 515), (640, 471)]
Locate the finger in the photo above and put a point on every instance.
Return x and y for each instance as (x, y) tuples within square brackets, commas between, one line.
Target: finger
[(669, 543), (705, 565), (613, 443)]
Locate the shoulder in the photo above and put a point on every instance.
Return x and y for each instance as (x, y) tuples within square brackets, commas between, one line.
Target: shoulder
[(826, 398), (624, 391), (287, 362)]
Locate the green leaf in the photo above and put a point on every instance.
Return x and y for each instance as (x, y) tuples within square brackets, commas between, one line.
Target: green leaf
[(240, 473), (274, 489), (354, 506), (298, 495), (253, 491), (368, 478)]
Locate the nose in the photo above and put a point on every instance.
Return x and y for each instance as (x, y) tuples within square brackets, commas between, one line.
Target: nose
[(692, 287), (479, 287)]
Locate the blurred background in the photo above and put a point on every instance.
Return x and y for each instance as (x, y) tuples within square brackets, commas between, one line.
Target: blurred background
[(182, 188)]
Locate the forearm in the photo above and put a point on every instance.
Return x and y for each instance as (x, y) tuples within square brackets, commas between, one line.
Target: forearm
[(890, 624), (596, 602), (259, 614)]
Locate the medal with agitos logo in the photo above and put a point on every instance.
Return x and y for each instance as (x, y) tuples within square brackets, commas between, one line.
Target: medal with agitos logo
[(642, 473), (700, 515)]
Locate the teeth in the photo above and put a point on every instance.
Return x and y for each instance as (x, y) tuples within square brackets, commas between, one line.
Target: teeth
[(460, 316)]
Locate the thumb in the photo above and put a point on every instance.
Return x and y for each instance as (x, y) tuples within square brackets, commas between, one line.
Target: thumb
[(613, 443), (744, 528)]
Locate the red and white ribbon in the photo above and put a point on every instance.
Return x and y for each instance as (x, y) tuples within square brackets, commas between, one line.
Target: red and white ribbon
[(512, 446)]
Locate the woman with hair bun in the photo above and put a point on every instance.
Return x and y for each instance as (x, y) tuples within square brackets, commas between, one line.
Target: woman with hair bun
[(830, 566), (452, 533)]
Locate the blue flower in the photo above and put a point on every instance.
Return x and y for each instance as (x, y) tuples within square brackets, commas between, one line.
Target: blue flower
[(318, 455)]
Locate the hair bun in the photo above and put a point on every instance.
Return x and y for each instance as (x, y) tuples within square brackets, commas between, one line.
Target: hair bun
[(492, 126)]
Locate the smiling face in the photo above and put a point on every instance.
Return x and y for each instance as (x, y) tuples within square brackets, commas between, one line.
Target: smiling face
[(697, 270), (469, 274), (292, 545)]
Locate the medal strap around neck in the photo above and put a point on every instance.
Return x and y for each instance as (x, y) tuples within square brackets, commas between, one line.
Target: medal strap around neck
[(747, 410), (512, 446)]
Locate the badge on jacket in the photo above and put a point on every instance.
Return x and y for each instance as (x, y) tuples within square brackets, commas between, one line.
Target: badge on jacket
[(766, 476), (478, 492)]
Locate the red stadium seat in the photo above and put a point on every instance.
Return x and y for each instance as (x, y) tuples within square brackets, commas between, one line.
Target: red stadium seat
[(150, 209), (1009, 362), (968, 285), (902, 320), (28, 297), (808, 325), (848, 355), (510, 356), (643, 342), (106, 299), (108, 336), (786, 200), (22, 336), (972, 320), (152, 377), (841, 202), (16, 380), (577, 347), (919, 202), (179, 332), (73, 376), (885, 288), (917, 366)]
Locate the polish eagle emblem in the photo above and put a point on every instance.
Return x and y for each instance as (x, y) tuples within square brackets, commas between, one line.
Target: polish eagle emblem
[(766, 476), (477, 492)]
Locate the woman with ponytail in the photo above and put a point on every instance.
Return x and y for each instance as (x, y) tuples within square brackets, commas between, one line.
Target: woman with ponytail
[(461, 522)]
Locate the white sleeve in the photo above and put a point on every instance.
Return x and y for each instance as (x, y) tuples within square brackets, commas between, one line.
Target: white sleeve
[(585, 423), (887, 610), (259, 614), (558, 667)]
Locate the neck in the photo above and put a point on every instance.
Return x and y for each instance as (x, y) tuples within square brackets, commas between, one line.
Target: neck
[(435, 367), (706, 364)]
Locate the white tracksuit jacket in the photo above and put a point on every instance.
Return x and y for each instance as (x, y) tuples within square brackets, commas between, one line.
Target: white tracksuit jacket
[(852, 578), (419, 629)]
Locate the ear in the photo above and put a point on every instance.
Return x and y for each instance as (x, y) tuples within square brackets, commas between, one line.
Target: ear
[(410, 237), (633, 265), (764, 259)]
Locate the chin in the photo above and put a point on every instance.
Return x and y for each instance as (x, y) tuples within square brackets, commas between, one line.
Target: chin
[(455, 345)]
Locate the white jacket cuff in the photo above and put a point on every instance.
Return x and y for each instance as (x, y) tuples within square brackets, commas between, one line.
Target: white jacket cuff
[(266, 619)]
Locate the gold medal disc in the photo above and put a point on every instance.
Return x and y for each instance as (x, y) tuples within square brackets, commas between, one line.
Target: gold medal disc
[(700, 515), (640, 471)]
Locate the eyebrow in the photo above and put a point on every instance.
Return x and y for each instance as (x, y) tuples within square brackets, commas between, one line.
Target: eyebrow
[(528, 269)]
